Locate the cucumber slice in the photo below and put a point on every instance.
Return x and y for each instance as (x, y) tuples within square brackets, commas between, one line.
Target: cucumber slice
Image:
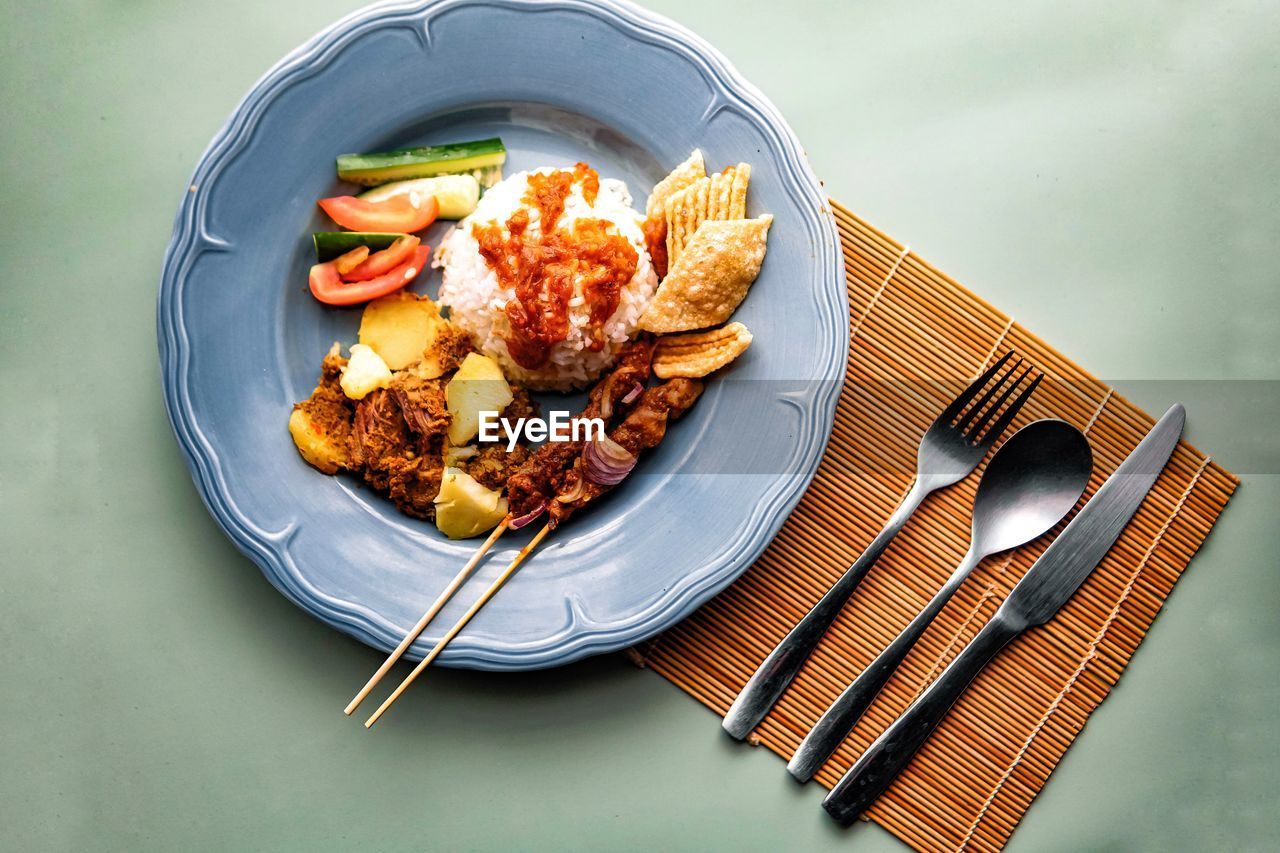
[(457, 195), (487, 176), (425, 162), (331, 244)]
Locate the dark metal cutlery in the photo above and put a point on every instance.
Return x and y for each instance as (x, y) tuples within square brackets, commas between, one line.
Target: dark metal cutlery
[(950, 450), (1046, 587), (1031, 482)]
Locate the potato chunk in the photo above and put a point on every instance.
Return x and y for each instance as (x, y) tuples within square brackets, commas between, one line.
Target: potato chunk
[(365, 373), (319, 448), (400, 327), (464, 508), (478, 386)]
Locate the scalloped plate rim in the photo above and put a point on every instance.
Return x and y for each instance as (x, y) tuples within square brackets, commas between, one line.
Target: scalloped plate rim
[(190, 238)]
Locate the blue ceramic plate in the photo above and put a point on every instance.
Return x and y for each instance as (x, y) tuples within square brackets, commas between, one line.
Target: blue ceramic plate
[(241, 339)]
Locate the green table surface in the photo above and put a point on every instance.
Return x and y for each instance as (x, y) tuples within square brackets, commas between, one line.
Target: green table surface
[(1106, 172)]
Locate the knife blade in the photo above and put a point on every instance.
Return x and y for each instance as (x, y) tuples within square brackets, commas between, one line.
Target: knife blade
[(1043, 590)]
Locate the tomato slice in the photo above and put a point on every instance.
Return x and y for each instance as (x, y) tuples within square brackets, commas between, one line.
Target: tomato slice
[(397, 213), (383, 262), (329, 288)]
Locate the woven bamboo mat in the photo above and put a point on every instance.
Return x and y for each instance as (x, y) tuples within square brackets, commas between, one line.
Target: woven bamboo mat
[(918, 338)]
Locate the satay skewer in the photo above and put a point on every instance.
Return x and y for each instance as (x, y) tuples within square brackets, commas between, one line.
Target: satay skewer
[(643, 429), (436, 606), (531, 486), (460, 624), (605, 399)]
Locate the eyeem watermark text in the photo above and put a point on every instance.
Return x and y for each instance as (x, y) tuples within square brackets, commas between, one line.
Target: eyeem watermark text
[(560, 426)]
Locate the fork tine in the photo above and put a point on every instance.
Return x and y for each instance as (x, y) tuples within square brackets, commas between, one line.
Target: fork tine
[(1010, 413), (972, 433), (978, 407), (949, 414)]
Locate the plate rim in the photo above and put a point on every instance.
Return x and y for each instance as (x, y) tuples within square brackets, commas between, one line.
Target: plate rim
[(191, 237)]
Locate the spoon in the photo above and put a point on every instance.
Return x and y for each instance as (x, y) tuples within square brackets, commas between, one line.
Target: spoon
[(1032, 481)]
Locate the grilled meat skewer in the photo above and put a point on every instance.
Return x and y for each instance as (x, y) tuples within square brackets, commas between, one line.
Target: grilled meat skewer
[(642, 429), (531, 486)]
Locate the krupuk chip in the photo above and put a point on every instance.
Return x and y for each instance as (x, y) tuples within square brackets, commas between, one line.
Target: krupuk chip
[(710, 277), (681, 176), (696, 354), (715, 197), (738, 192)]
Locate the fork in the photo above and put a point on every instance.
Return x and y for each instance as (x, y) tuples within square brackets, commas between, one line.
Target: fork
[(950, 450)]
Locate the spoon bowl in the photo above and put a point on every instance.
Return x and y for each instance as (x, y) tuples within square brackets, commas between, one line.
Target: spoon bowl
[(1032, 481)]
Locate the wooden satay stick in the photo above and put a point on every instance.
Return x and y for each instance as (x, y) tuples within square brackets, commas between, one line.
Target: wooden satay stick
[(461, 623), (435, 608)]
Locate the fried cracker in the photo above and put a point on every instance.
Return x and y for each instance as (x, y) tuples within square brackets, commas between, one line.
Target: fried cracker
[(685, 212), (681, 176), (697, 354), (675, 230), (675, 225), (738, 193), (699, 204), (716, 197), (721, 183), (674, 213), (711, 276)]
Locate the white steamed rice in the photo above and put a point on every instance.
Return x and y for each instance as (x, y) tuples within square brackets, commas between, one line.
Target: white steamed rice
[(477, 302)]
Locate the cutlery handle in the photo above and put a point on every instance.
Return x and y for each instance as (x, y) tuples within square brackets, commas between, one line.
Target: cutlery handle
[(773, 677), (876, 769), (845, 712)]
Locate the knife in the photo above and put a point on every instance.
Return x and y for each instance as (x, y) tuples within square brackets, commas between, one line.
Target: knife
[(1041, 593)]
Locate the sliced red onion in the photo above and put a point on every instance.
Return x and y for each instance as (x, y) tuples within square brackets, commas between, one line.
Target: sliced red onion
[(606, 398), (607, 462), (517, 523), (579, 487), (633, 394)]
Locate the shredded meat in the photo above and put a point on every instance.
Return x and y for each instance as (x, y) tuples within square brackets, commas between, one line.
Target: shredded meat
[(412, 471), (531, 485), (422, 403), (380, 438), (642, 429), (493, 464), (393, 454), (413, 484), (395, 437)]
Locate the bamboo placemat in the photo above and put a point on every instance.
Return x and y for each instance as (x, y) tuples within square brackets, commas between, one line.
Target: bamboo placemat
[(917, 338)]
